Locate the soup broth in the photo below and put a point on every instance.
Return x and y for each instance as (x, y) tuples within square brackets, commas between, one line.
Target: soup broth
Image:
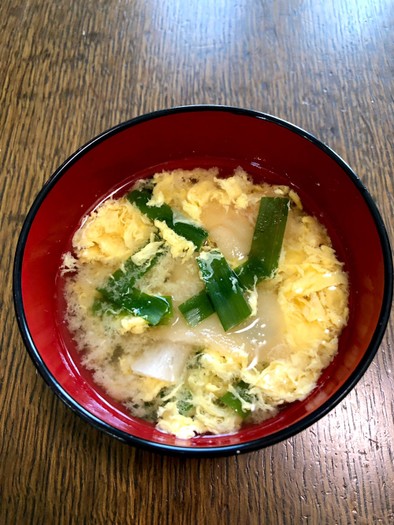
[(137, 264)]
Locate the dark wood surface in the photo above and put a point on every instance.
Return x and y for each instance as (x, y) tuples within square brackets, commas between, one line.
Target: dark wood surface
[(71, 69)]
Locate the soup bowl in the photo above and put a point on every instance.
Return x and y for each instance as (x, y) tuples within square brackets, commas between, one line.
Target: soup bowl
[(270, 150)]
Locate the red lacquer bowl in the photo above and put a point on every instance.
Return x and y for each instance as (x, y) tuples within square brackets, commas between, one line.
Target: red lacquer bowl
[(201, 136)]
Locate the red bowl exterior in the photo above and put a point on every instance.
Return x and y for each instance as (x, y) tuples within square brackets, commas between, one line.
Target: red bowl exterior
[(268, 148)]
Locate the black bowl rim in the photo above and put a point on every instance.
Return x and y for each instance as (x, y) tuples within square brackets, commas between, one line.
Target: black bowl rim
[(216, 451)]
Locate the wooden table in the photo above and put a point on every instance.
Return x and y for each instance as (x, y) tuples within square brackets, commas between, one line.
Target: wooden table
[(71, 69)]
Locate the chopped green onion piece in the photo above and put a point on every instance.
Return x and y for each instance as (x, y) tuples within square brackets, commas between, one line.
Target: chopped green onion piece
[(233, 402), (141, 198), (250, 273), (190, 231), (174, 220), (269, 230), (223, 289), (197, 308), (184, 404), (154, 309), (267, 241), (118, 296)]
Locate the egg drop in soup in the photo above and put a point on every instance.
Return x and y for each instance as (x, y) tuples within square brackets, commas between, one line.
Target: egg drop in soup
[(204, 303)]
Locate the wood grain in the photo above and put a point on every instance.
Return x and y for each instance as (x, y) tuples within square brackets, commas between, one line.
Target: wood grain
[(69, 70)]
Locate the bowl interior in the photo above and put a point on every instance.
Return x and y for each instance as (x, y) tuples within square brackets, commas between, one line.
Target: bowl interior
[(266, 148)]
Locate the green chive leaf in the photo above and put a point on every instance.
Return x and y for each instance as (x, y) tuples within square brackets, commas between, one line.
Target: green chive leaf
[(223, 289)]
